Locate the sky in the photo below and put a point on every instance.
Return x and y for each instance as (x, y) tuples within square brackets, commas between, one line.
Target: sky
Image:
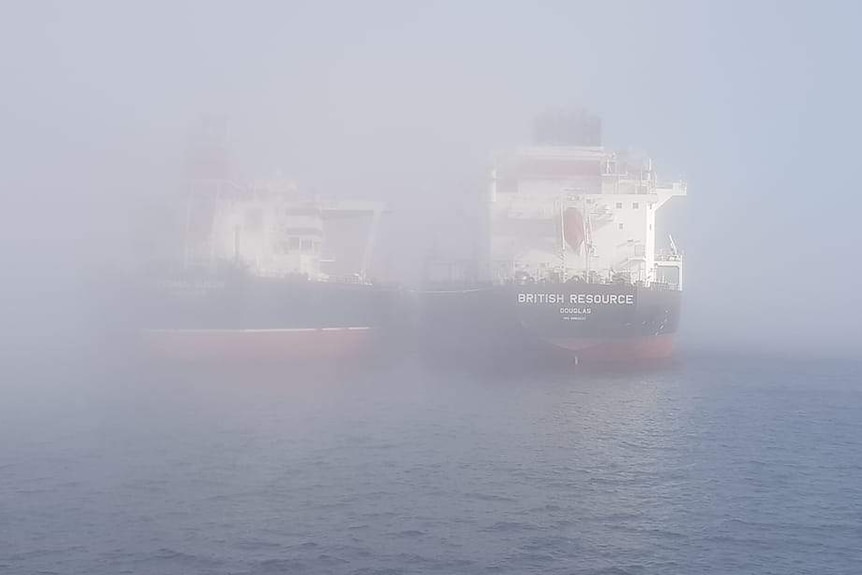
[(755, 104)]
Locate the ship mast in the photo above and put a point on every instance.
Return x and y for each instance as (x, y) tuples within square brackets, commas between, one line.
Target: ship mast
[(586, 239), (563, 233)]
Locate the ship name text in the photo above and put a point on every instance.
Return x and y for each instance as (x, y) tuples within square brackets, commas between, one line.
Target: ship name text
[(576, 298)]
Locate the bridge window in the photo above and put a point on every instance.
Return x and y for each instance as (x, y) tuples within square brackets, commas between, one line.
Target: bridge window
[(619, 205), (635, 205), (620, 226)]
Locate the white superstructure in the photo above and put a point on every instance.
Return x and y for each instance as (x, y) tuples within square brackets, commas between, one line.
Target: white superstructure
[(273, 230), (269, 227), (584, 212)]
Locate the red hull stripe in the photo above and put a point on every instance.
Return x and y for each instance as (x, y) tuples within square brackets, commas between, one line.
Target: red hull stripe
[(618, 350)]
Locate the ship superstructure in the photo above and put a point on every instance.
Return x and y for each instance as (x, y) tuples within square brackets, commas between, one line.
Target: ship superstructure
[(579, 212), (273, 230), (270, 227)]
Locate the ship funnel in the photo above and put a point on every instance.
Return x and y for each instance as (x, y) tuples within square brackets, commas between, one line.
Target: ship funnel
[(208, 149), (567, 128)]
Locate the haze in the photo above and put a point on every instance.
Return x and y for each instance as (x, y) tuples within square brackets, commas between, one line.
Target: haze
[(755, 104)]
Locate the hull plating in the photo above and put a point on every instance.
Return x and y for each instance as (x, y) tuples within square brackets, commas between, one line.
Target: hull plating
[(574, 322)]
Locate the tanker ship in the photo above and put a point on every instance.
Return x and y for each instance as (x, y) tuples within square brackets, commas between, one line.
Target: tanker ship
[(568, 265), (260, 270)]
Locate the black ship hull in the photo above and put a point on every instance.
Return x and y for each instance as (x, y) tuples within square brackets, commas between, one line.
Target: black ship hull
[(571, 322), (237, 316)]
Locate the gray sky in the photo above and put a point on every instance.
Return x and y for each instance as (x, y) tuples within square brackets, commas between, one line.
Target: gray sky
[(755, 103)]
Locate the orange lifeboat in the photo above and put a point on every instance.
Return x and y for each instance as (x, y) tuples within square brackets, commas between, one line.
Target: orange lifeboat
[(573, 228)]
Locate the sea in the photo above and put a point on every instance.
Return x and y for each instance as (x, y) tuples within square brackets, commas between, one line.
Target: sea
[(715, 464)]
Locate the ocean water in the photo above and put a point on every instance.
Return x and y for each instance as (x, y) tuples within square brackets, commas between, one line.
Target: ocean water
[(721, 465)]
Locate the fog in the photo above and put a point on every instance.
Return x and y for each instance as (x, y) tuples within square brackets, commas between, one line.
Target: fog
[(756, 105), (371, 444)]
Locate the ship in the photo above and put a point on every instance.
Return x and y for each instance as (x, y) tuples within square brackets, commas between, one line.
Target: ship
[(567, 265), (261, 270)]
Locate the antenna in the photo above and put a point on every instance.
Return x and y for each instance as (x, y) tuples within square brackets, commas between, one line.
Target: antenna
[(673, 245)]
